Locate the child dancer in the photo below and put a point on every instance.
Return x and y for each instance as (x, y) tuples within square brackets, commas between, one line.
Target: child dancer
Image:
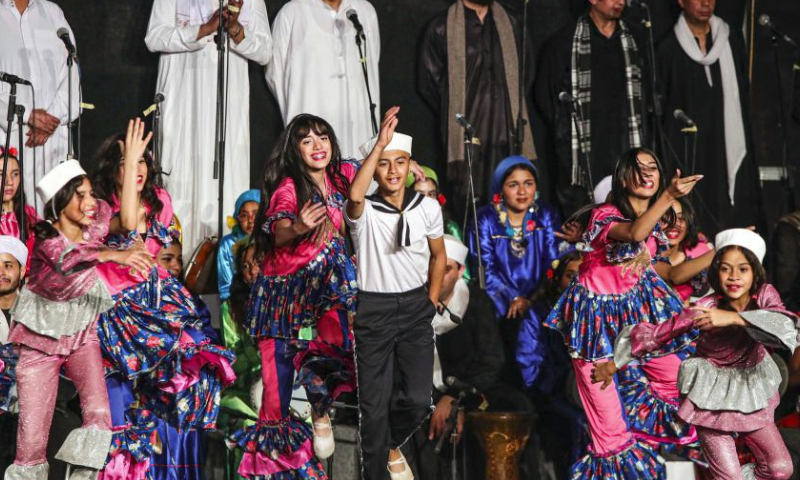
[(153, 335), (13, 197), (307, 281), (690, 252), (616, 286), (398, 236), (730, 385), (55, 324)]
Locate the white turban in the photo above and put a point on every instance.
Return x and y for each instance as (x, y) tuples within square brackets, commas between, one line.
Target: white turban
[(14, 247), (455, 249)]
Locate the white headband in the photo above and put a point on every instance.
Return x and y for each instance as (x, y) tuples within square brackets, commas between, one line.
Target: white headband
[(399, 141), (742, 237), (602, 189), (455, 249)]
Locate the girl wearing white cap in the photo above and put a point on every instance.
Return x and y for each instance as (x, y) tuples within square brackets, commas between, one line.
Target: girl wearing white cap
[(55, 325), (729, 387)]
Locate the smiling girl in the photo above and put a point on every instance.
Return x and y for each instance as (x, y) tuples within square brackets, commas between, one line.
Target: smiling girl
[(307, 281), (690, 253), (730, 385), (617, 285), (518, 243), (56, 324)]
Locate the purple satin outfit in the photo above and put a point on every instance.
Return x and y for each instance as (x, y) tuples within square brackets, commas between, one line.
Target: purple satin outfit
[(730, 385), (54, 326)]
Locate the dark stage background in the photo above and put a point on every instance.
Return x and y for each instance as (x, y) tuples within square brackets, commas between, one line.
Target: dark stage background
[(119, 74)]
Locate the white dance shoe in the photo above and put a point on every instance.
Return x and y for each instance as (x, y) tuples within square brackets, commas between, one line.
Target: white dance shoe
[(324, 445)]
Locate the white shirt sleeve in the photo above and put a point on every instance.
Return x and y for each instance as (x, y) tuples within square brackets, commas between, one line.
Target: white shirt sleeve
[(257, 43), (433, 219), (164, 36), (276, 69)]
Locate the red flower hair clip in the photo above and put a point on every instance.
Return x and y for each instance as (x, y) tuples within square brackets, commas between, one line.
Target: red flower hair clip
[(530, 226), (550, 273), (12, 151), (442, 200), (496, 198)]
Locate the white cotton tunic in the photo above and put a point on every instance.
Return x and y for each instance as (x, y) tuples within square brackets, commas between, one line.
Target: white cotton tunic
[(316, 69), (30, 48), (187, 76)]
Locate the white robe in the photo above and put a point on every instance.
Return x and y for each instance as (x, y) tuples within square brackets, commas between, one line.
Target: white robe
[(315, 67), (187, 76), (30, 48)]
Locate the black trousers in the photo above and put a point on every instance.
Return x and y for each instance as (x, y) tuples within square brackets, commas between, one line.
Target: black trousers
[(394, 359)]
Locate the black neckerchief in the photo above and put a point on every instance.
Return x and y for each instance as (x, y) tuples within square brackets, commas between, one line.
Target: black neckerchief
[(411, 200)]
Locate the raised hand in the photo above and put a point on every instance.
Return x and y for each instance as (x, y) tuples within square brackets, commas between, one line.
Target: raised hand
[(680, 187), (210, 26), (311, 216), (136, 141), (388, 125)]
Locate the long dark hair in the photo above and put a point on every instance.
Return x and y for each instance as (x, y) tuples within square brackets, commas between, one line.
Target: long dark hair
[(628, 171), (52, 209), (759, 274), (106, 167), (692, 237), (19, 197), (286, 161)]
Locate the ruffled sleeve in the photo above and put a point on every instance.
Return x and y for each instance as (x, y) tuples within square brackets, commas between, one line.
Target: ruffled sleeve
[(772, 324), (283, 205), (635, 341), (602, 220)]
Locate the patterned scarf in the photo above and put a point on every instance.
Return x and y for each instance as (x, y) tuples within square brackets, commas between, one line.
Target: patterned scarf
[(457, 77), (581, 79)]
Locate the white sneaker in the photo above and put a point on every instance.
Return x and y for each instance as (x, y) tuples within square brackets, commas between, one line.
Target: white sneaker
[(323, 445), (406, 474)]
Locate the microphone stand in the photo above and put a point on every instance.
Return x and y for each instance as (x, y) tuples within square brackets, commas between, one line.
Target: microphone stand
[(222, 87), (576, 112), (689, 161), (362, 55), (474, 200), (450, 430), (788, 179), (519, 134), (157, 139), (19, 111), (70, 148)]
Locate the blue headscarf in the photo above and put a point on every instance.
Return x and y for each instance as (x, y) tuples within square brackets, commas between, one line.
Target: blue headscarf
[(506, 165), (248, 196)]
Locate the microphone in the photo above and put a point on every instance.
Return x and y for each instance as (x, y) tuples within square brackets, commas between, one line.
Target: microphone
[(63, 34), (565, 97), (681, 116), (462, 120), (352, 15), (9, 78), (765, 21), (158, 98), (461, 386)]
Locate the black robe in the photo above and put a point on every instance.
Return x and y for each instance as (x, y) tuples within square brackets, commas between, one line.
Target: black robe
[(684, 85), (608, 110), (487, 103)]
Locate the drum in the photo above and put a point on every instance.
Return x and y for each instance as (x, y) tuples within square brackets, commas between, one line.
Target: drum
[(502, 437), (200, 274)]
